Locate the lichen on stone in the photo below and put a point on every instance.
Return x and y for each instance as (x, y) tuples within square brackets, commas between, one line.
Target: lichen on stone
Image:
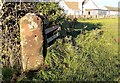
[(33, 25)]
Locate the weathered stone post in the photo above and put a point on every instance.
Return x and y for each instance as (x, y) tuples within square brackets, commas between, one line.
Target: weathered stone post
[(31, 42)]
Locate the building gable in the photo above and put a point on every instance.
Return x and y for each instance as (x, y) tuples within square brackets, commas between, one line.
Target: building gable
[(90, 5)]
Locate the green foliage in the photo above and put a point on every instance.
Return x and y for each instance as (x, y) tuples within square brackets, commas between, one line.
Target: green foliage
[(94, 57), (52, 11), (8, 74)]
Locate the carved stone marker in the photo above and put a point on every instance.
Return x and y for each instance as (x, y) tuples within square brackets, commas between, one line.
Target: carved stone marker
[(31, 42)]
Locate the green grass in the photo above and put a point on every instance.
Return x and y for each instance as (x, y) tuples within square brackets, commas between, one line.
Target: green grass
[(94, 57)]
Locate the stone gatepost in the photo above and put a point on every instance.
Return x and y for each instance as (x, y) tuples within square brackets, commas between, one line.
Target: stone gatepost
[(31, 42)]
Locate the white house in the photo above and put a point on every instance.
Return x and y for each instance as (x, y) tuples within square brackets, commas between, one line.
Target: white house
[(90, 8), (70, 8)]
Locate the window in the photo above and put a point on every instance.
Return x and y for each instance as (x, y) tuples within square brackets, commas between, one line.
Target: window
[(89, 13)]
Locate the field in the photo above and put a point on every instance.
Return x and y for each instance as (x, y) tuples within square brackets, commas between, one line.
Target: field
[(89, 53)]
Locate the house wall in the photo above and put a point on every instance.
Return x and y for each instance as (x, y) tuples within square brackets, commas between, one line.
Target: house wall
[(67, 10), (102, 12), (90, 5), (73, 12), (91, 12), (96, 14), (114, 13), (70, 12)]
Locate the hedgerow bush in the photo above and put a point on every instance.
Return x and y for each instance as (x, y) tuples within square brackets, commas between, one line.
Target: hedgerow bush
[(11, 13), (52, 11)]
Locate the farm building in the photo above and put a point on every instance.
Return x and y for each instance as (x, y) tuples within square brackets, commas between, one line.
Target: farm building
[(70, 8), (86, 8), (90, 8), (112, 11)]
